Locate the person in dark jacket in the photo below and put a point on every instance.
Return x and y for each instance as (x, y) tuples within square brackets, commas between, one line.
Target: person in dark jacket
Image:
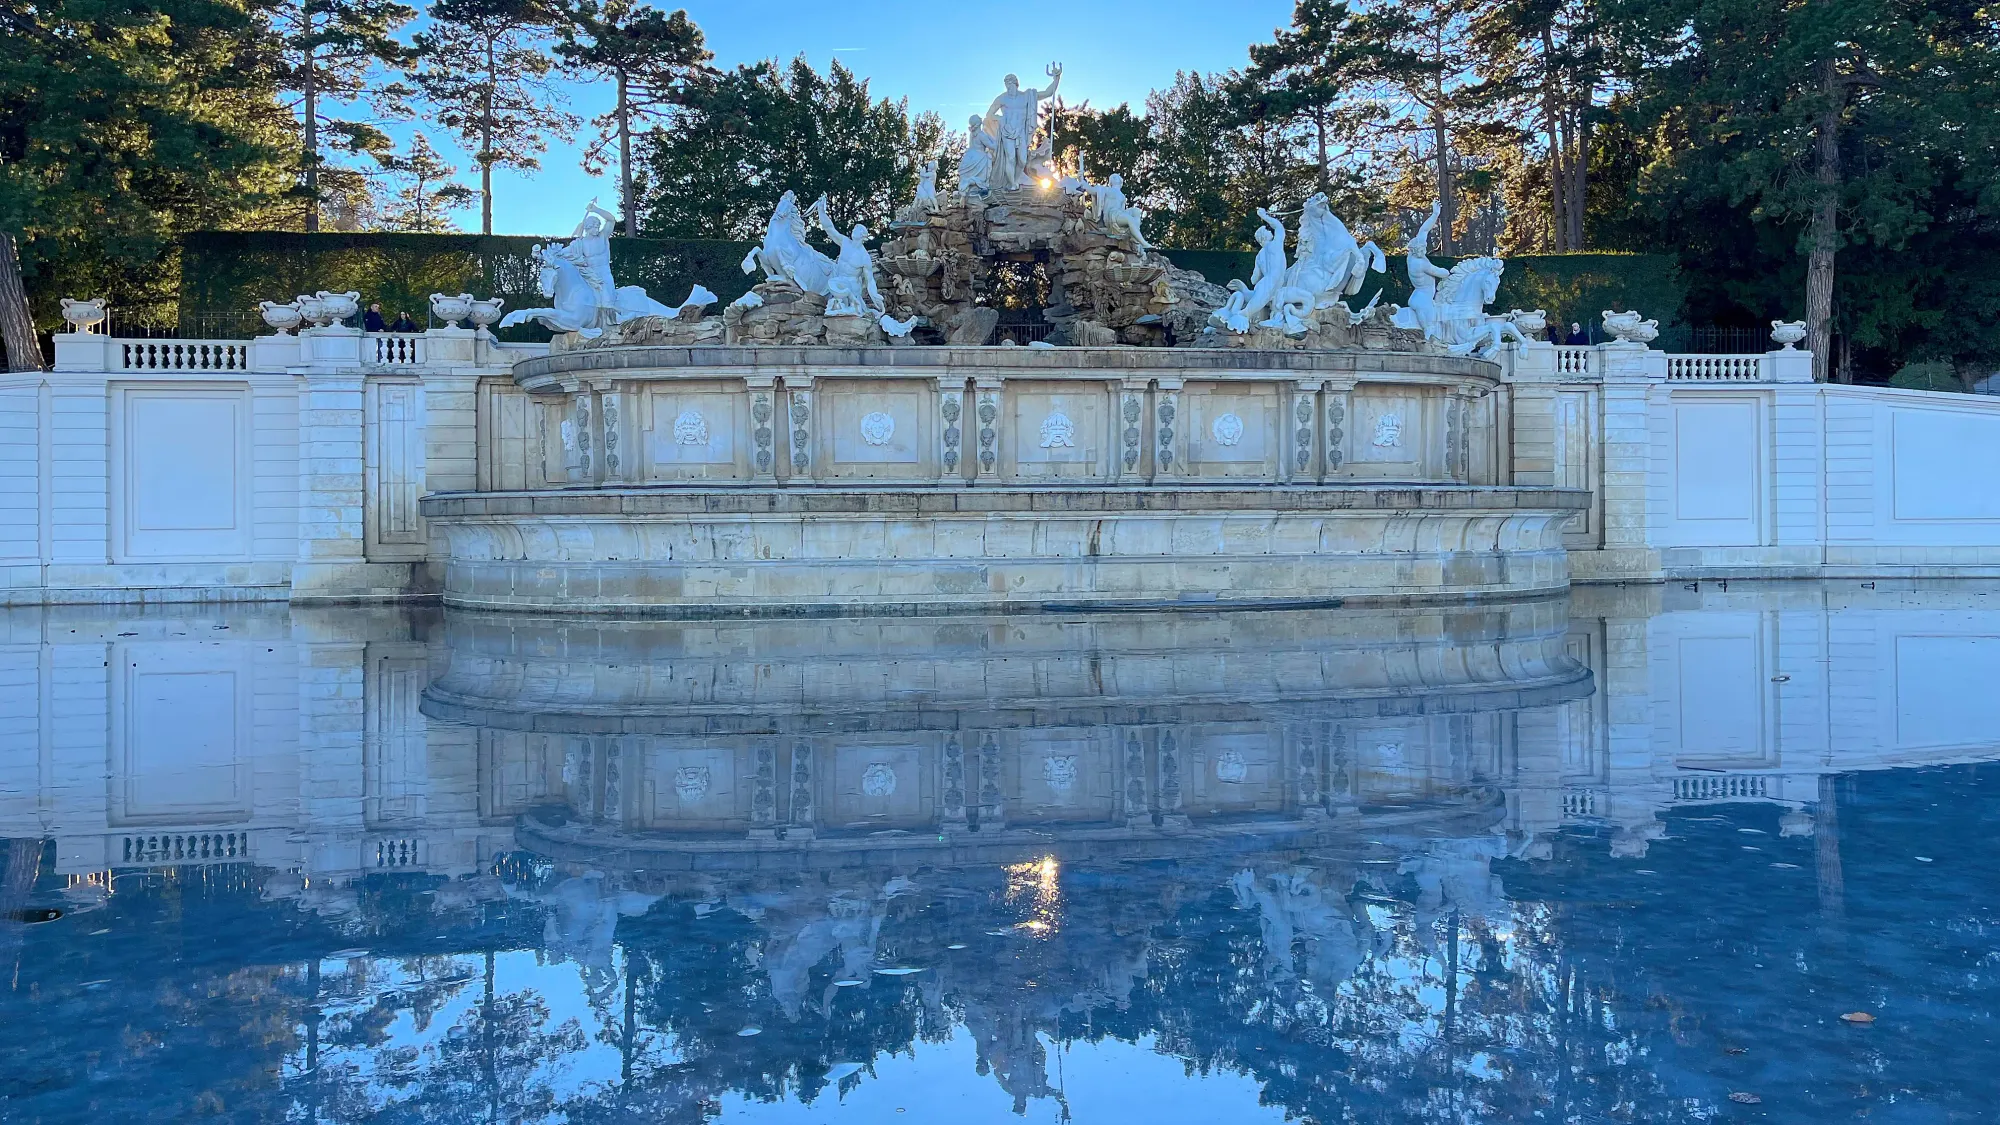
[(1576, 334), (404, 323), (372, 320)]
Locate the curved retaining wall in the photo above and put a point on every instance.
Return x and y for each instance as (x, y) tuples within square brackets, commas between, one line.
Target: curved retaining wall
[(695, 552)]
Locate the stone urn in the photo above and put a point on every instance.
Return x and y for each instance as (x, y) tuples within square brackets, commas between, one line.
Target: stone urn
[(1627, 328), (484, 313), (1532, 324), (338, 306), (1788, 333), (282, 318), (312, 310), (451, 310), (82, 316)]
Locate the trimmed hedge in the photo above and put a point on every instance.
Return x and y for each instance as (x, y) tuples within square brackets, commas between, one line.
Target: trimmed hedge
[(229, 272)]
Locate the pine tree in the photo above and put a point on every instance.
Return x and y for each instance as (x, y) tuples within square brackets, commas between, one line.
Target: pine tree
[(1307, 72), (485, 66), (331, 52), (651, 56), (1417, 54), (1541, 61), (426, 192)]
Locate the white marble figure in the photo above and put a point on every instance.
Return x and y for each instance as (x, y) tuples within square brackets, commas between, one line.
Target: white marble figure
[(577, 277), (1267, 283), (1450, 305), (927, 197), (1108, 206), (1010, 123), (851, 290), (1331, 263), (1421, 312), (975, 167), (784, 255), (1463, 326)]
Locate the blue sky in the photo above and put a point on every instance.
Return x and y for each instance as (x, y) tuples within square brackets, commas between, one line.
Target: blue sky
[(942, 56)]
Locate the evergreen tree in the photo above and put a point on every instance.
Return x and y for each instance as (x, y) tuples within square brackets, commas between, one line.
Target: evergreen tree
[(1307, 72), (123, 125), (651, 56), (330, 50), (426, 191), (747, 136), (485, 65), (1541, 61)]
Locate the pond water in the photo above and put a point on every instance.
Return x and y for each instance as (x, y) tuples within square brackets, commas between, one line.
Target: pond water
[(1648, 854)]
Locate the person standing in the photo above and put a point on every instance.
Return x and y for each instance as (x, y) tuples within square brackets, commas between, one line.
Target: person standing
[(372, 320), (403, 323)]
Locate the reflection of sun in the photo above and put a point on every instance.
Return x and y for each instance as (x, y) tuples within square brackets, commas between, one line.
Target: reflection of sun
[(1033, 885)]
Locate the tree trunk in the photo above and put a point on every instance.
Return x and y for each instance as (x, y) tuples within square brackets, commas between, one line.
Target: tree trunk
[(486, 143), (1319, 126), (627, 207), (1447, 206), (1825, 230), (1579, 172), (1558, 171), (17, 328), (312, 138)]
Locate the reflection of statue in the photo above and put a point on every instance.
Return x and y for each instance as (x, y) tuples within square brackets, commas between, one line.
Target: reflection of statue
[(1011, 122), (975, 168), (1108, 206), (851, 290)]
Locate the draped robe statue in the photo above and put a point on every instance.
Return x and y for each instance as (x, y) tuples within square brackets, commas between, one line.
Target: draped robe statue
[(1010, 123)]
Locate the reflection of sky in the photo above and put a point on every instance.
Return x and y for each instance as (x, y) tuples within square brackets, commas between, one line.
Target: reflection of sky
[(1103, 1081)]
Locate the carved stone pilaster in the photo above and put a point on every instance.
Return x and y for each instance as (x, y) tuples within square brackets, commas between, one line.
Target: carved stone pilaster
[(1304, 431), (992, 803), (799, 412), (1339, 401), (1306, 765), (1131, 467), (764, 791), (579, 445), (613, 807), (951, 430), (951, 797), (1168, 442), (763, 434), (1170, 781), (614, 420), (1136, 777), (804, 786), (987, 418), (1454, 433)]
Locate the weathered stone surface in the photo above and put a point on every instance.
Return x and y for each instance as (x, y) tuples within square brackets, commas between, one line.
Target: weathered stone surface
[(972, 326)]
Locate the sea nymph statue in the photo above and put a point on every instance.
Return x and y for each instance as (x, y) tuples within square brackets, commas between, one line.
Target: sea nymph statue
[(577, 276)]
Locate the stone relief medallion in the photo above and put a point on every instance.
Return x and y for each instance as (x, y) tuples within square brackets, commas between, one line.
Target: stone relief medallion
[(1059, 771), (878, 780), (691, 783), (1389, 753), (1227, 430), (1058, 432), (877, 428), (690, 428), (1388, 431), (569, 434), (1231, 768)]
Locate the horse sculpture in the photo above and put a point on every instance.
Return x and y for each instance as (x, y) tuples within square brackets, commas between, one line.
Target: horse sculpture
[(785, 256), (1463, 326), (576, 306), (1331, 264)]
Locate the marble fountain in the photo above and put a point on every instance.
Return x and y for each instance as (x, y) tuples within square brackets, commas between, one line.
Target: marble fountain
[(1014, 405)]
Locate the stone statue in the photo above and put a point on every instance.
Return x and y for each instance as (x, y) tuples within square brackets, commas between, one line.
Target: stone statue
[(1331, 263), (1424, 277), (1010, 123), (1108, 206), (577, 276), (975, 168), (784, 255), (927, 197), (1460, 310), (851, 290), (1267, 276)]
